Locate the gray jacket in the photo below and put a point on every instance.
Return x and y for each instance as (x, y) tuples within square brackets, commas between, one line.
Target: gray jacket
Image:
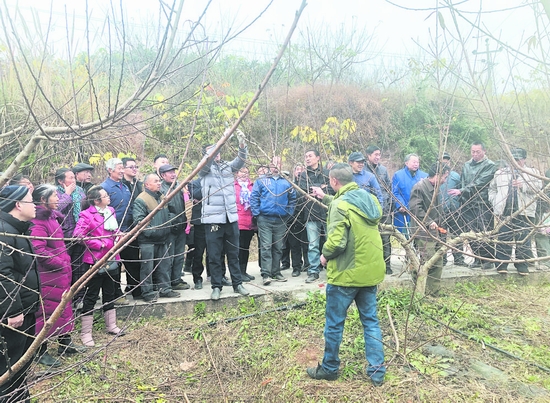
[(218, 189)]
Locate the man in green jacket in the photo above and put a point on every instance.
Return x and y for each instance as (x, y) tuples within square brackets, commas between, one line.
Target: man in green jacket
[(476, 210), (355, 265)]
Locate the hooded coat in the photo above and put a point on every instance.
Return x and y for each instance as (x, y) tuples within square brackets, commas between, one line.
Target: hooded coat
[(354, 247), (19, 279), (54, 266)]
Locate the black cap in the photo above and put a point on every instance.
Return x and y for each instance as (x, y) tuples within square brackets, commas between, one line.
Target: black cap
[(356, 156), (11, 195), (81, 166), (166, 168), (446, 155)]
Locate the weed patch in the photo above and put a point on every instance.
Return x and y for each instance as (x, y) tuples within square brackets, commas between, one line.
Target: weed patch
[(261, 355)]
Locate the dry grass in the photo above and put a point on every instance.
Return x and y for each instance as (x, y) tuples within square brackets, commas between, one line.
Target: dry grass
[(263, 358)]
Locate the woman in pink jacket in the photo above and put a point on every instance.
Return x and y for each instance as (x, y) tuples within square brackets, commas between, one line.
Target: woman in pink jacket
[(243, 188), (54, 266), (98, 227)]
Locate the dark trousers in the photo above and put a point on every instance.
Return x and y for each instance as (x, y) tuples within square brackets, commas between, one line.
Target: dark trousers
[(103, 283), (132, 265), (13, 344), (197, 254), (515, 233), (176, 253), (218, 236), (295, 246), (245, 237), (386, 242), (478, 218), (76, 251), (452, 224)]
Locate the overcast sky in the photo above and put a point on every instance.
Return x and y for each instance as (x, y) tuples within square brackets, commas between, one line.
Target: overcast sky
[(395, 28)]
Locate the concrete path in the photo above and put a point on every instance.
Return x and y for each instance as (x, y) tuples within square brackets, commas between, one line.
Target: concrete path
[(293, 288)]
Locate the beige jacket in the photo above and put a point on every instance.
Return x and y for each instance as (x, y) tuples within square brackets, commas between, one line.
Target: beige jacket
[(501, 185)]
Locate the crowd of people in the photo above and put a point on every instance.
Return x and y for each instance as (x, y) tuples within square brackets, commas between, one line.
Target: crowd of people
[(75, 223)]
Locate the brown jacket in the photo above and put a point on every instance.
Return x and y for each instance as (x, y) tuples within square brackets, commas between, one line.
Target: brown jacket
[(423, 211)]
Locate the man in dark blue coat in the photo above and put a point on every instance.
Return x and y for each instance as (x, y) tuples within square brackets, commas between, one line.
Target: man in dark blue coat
[(402, 184)]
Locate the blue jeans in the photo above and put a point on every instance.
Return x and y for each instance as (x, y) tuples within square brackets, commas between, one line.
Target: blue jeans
[(314, 231), (338, 301)]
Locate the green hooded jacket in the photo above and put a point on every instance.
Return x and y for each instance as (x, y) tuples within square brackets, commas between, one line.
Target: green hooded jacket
[(353, 247)]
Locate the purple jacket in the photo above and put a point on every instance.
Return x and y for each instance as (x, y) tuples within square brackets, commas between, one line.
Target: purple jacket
[(54, 266), (90, 225), (66, 206)]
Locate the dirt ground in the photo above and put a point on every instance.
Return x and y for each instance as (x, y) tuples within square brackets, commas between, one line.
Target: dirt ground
[(481, 341)]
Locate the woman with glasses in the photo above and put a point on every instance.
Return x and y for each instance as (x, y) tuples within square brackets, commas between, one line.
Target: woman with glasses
[(98, 228)]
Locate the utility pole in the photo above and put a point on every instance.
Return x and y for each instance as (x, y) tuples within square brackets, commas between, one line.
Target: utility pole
[(490, 65)]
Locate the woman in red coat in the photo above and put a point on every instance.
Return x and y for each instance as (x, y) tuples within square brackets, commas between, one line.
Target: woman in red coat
[(54, 266), (247, 229), (98, 227)]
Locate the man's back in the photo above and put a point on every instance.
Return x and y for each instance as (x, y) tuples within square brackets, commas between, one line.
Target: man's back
[(354, 247)]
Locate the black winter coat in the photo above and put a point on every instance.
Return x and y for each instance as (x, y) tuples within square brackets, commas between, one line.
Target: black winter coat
[(315, 177), (19, 279)]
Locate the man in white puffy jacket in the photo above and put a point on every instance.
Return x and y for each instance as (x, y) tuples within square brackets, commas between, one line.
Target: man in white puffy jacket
[(514, 190), (219, 216)]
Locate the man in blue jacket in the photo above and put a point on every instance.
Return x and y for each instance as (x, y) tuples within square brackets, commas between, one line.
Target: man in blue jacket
[(272, 202), (364, 178), (402, 184), (121, 201)]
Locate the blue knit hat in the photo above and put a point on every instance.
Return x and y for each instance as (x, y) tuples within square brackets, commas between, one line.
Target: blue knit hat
[(11, 195)]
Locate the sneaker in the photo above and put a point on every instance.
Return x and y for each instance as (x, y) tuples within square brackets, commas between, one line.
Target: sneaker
[(320, 373), (311, 278), (226, 282), (241, 290), (266, 280), (296, 273), (523, 271), (47, 360), (280, 278), (502, 270), (122, 301), (181, 286), (151, 297), (476, 264), (215, 294), (377, 382), (171, 294), (198, 285)]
